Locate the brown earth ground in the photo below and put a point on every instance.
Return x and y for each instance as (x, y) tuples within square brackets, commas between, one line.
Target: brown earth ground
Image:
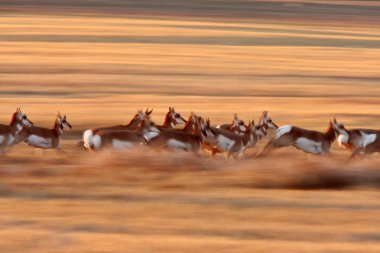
[(99, 61)]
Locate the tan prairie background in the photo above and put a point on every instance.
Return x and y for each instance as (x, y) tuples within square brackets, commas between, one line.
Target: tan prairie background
[(99, 61)]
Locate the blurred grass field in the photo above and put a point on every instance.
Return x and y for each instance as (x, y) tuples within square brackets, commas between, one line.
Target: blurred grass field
[(99, 61)]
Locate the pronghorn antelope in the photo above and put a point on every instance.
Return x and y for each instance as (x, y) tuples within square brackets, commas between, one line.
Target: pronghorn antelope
[(234, 144), (172, 118), (237, 126), (123, 139), (45, 138), (266, 122), (183, 141), (308, 141), (359, 141), (133, 124), (190, 127), (10, 134), (260, 131)]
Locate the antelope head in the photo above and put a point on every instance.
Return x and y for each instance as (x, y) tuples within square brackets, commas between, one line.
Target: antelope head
[(267, 121), (193, 121), (251, 130), (238, 124), (342, 133), (205, 128), (260, 131), (175, 117), (22, 118), (62, 122), (139, 115)]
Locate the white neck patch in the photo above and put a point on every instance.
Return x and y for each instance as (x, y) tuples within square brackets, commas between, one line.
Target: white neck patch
[(283, 130)]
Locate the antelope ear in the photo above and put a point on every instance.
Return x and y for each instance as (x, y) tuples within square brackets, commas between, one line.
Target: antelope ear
[(150, 112), (235, 116), (335, 120)]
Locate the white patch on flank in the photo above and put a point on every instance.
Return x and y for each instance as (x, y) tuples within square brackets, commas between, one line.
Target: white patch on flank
[(172, 125), (283, 130), (2, 138), (87, 138), (218, 126), (178, 144), (150, 135), (342, 139), (367, 139), (96, 142), (308, 146), (38, 141), (225, 143), (122, 144)]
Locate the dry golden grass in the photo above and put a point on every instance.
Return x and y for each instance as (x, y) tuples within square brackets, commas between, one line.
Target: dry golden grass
[(99, 61)]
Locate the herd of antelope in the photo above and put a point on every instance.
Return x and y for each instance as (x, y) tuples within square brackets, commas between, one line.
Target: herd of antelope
[(197, 134)]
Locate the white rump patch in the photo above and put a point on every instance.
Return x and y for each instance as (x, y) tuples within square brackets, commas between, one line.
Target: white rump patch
[(87, 138), (309, 146), (283, 130), (342, 139), (122, 144), (368, 138), (178, 144), (218, 126), (224, 142), (38, 141)]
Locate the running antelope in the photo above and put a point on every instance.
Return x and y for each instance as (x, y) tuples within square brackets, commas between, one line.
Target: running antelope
[(234, 144), (237, 126), (10, 134), (172, 118), (123, 139), (308, 141), (183, 141), (45, 138), (260, 131), (88, 135), (359, 141)]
